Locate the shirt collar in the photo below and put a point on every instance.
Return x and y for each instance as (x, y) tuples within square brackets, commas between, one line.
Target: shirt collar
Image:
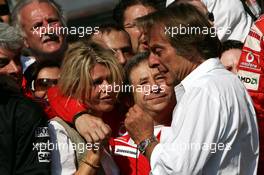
[(179, 91), (202, 69), (168, 2)]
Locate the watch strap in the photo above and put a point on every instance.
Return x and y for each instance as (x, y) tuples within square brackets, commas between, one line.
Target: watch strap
[(143, 145)]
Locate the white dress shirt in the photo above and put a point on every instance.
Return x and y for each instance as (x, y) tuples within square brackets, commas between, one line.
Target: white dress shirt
[(62, 155), (214, 128), (230, 18)]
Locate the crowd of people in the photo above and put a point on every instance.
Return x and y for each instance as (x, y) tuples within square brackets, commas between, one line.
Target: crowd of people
[(173, 90)]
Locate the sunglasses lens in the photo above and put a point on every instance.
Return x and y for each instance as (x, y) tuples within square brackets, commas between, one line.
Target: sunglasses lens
[(4, 62), (44, 84)]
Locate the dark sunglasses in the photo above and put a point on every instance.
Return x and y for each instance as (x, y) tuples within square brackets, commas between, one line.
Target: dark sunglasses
[(43, 84), (4, 62)]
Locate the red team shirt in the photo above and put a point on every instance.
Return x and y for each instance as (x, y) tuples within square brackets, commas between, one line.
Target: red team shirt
[(251, 73), (129, 160)]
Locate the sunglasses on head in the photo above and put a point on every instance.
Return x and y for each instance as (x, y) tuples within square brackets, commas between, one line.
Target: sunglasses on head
[(43, 84)]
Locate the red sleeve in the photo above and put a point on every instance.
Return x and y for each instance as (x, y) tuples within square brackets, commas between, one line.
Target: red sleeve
[(65, 107)]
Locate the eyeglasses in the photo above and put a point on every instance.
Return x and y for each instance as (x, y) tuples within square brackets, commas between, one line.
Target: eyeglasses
[(4, 62), (43, 84)]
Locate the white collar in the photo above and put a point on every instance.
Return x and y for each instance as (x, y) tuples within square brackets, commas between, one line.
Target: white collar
[(202, 69), (168, 2)]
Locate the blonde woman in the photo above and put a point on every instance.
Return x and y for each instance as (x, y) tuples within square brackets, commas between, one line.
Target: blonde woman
[(87, 74)]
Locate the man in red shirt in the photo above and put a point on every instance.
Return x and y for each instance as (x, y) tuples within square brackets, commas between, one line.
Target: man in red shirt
[(157, 99), (251, 73)]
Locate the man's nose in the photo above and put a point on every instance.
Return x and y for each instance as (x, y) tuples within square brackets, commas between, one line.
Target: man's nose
[(153, 61), (121, 58), (45, 25)]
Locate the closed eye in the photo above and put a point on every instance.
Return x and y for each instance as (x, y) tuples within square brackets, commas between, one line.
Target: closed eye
[(97, 82), (53, 21), (157, 51), (160, 77), (130, 25), (143, 82), (37, 25)]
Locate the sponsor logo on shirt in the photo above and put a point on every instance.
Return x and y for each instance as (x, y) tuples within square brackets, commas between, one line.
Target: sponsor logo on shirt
[(42, 132), (126, 151), (250, 79), (44, 156), (250, 60)]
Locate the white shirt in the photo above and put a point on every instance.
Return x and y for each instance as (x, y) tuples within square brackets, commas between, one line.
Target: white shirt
[(230, 18), (26, 62), (63, 155), (213, 109)]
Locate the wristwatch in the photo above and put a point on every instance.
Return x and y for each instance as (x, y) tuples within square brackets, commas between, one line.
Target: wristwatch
[(142, 146)]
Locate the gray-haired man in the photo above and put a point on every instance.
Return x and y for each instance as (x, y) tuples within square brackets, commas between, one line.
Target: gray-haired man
[(41, 23), (23, 128)]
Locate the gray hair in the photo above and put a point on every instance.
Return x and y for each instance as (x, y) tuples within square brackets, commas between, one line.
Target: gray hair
[(16, 20), (10, 38)]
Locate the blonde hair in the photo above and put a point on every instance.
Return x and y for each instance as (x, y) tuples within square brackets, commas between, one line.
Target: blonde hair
[(75, 80)]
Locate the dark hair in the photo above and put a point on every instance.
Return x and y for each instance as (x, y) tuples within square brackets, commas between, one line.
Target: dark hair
[(105, 28), (8, 86), (120, 8), (108, 27), (204, 43), (33, 70), (231, 44), (134, 62)]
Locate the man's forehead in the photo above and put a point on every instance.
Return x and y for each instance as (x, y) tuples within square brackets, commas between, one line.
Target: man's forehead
[(37, 9), (156, 34), (144, 67), (117, 39), (136, 11)]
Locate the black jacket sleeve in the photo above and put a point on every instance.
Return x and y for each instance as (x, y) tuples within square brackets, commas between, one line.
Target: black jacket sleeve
[(23, 138)]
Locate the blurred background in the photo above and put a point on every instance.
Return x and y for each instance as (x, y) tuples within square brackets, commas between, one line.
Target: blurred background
[(80, 12)]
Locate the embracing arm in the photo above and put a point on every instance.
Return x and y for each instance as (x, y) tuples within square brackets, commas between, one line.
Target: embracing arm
[(195, 124)]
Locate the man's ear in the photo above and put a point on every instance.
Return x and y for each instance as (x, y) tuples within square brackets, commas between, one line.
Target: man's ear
[(26, 43)]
